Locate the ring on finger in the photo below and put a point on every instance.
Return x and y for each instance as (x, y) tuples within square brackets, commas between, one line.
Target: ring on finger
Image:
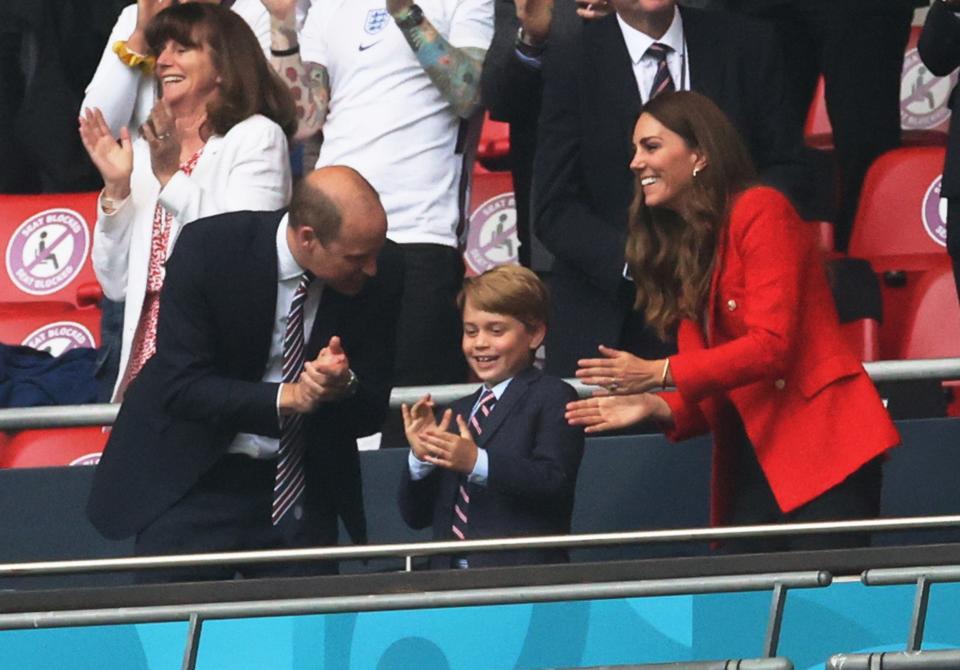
[(163, 136), (613, 385)]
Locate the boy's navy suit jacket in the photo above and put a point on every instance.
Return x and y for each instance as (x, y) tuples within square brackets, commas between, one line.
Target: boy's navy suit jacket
[(534, 457)]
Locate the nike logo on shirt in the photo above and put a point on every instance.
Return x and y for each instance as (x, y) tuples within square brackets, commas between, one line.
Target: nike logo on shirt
[(364, 47)]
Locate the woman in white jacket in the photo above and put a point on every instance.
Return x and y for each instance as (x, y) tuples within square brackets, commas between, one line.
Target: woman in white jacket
[(215, 142)]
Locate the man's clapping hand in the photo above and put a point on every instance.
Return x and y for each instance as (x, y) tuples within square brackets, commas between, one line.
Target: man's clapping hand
[(324, 379)]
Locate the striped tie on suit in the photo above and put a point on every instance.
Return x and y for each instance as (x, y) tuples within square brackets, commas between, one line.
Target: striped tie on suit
[(289, 483), (662, 81), (461, 507)]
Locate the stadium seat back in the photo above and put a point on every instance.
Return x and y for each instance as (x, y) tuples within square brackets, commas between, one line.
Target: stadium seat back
[(494, 139), (47, 241), (932, 327), (901, 213), (492, 231), (52, 447), (49, 326)]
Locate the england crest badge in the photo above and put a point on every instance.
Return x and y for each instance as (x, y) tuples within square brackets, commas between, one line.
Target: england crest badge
[(376, 20)]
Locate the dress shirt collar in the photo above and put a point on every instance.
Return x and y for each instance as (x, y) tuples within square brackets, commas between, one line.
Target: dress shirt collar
[(638, 42), (499, 388), (287, 266)]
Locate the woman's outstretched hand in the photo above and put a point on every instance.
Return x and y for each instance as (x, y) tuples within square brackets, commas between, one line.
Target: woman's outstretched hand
[(611, 412), (113, 159), (620, 372)]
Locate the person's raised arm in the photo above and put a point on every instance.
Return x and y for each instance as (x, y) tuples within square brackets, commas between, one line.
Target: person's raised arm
[(454, 71), (116, 83), (308, 82)]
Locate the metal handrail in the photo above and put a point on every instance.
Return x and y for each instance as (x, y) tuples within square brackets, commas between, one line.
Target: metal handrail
[(411, 549), (894, 576), (510, 595), (914, 656), (923, 577), (941, 659), (63, 416)]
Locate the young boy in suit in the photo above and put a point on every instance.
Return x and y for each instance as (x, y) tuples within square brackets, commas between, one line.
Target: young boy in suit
[(502, 461)]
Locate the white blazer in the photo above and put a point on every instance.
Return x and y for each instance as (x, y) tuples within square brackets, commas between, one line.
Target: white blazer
[(246, 169)]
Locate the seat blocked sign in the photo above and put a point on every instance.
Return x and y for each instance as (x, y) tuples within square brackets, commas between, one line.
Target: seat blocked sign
[(47, 251)]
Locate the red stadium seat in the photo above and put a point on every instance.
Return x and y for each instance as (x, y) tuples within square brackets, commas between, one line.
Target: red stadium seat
[(48, 291), (52, 447), (492, 230), (932, 327), (47, 241), (899, 228), (52, 326), (900, 221), (494, 139), (924, 114)]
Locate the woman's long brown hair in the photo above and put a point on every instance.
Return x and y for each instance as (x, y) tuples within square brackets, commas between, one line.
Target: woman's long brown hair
[(671, 258), (248, 84)]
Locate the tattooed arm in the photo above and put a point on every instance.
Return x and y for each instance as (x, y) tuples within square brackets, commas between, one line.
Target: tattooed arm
[(455, 72), (309, 83)]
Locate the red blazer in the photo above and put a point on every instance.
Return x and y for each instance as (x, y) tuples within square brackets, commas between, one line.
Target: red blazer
[(773, 351)]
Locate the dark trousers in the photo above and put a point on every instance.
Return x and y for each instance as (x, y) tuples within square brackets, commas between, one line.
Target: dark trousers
[(856, 497), (428, 332), (108, 353), (229, 510), (859, 50), (953, 238), (429, 328)]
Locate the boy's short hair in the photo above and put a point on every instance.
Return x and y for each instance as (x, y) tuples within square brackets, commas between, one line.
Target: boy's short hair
[(508, 289)]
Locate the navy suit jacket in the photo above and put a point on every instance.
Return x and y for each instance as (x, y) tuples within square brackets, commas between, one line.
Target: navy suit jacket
[(203, 385), (583, 185), (534, 456)]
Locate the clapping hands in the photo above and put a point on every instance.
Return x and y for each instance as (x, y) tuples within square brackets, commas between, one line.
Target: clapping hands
[(163, 138), (433, 442), (324, 379), (417, 420), (113, 159)]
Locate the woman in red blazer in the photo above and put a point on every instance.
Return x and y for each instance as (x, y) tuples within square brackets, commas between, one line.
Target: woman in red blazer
[(732, 269)]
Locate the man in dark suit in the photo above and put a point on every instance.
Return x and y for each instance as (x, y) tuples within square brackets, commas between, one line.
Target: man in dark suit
[(227, 410), (582, 181), (857, 45), (939, 50), (511, 88)]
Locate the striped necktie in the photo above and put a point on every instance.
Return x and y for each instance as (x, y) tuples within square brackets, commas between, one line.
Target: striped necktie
[(662, 81), (289, 482), (461, 507)]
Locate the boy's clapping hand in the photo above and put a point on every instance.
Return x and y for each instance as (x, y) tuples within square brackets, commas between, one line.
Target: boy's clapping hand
[(416, 420), (449, 450)]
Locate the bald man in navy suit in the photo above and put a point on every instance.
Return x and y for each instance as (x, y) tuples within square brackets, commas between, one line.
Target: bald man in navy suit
[(192, 459)]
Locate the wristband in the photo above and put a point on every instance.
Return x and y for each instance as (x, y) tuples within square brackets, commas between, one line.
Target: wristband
[(280, 53), (412, 18), (132, 59), (663, 375)]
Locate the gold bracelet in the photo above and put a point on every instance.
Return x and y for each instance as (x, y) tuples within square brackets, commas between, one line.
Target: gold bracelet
[(663, 375), (132, 59)]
